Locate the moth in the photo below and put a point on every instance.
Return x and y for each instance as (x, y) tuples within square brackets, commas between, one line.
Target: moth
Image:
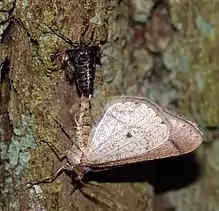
[(79, 64), (132, 129)]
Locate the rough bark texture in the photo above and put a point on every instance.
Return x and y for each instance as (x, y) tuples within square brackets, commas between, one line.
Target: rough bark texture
[(38, 92)]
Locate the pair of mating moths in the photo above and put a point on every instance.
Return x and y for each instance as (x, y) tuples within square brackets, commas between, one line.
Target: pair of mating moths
[(133, 129)]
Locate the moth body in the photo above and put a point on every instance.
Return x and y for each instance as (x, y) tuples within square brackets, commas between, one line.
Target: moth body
[(132, 129), (80, 64)]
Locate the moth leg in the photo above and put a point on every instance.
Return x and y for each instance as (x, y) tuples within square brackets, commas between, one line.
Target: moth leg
[(62, 128), (59, 155), (65, 132), (66, 167), (61, 36)]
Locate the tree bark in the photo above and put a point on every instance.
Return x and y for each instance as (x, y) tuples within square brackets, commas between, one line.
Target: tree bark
[(38, 93)]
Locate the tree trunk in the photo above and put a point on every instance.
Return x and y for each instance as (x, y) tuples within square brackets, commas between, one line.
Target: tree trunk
[(35, 90)]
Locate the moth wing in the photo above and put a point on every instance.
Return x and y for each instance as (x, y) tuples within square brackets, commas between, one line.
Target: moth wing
[(127, 130), (185, 137)]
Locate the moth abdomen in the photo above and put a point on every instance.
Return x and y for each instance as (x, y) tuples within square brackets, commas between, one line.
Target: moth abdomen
[(84, 79), (81, 64)]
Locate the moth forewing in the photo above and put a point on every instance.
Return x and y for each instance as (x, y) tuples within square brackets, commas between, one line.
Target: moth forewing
[(110, 146), (185, 135), (166, 112), (127, 131), (184, 138)]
